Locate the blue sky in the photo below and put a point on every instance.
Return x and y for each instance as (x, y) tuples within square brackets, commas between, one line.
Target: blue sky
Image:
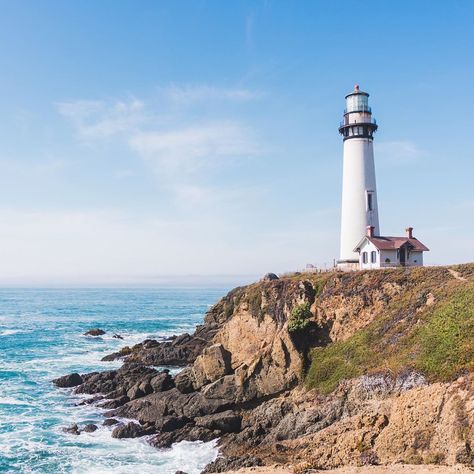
[(141, 141)]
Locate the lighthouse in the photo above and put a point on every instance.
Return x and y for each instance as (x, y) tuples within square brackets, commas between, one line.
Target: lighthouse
[(359, 191)]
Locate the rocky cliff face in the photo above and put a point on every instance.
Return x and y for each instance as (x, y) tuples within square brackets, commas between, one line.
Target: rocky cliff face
[(245, 377)]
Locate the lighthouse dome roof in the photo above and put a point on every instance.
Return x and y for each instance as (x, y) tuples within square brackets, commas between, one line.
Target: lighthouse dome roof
[(357, 91)]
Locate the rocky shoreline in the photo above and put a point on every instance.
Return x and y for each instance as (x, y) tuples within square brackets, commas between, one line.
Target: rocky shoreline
[(241, 383)]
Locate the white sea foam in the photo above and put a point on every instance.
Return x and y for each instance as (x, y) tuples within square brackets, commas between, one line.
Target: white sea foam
[(9, 332), (12, 401)]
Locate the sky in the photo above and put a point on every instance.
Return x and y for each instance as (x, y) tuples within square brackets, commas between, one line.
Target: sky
[(145, 142)]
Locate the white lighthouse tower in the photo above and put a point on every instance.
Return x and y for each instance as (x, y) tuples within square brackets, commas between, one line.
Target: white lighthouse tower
[(359, 191)]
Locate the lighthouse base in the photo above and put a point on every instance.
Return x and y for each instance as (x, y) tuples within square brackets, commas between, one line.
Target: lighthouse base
[(349, 265)]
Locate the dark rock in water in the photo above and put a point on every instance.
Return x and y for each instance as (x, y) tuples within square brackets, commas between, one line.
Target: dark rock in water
[(130, 430), (115, 403), (73, 429), (179, 351), (232, 463), (71, 380), (117, 336), (90, 401), (90, 428), (124, 352), (226, 421), (94, 332), (188, 433), (116, 382), (270, 277), (110, 422), (180, 472), (153, 407)]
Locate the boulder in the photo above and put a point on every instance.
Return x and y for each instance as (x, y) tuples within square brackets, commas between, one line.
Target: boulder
[(73, 429), (94, 332), (90, 428), (67, 381), (135, 392), (183, 381), (226, 421), (211, 365), (110, 422), (130, 430), (270, 277), (117, 336), (161, 382), (171, 423)]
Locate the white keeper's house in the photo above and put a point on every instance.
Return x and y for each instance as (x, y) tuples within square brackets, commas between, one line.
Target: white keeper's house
[(376, 251)]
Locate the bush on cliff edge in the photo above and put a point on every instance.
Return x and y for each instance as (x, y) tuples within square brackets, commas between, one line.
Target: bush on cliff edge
[(300, 318)]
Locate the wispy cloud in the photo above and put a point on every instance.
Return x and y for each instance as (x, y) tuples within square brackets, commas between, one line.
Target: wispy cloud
[(188, 94), (189, 149), (400, 152), (101, 119), (181, 150)]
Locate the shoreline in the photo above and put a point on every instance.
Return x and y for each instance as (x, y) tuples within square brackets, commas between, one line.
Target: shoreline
[(390, 469)]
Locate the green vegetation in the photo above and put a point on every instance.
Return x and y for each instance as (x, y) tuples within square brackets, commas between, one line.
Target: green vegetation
[(446, 341), (254, 300), (340, 361), (436, 340), (300, 317)]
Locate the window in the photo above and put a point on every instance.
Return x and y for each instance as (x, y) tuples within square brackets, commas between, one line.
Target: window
[(364, 257), (370, 201), (373, 256)]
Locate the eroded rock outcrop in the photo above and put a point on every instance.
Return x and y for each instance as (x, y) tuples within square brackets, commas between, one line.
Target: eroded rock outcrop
[(243, 374)]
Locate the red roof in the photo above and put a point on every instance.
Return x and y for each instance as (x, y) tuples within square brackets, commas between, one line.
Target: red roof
[(394, 243)]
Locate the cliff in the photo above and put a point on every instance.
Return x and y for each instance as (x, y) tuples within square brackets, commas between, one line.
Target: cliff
[(318, 370)]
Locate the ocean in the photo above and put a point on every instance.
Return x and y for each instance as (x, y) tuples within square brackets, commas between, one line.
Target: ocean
[(41, 337)]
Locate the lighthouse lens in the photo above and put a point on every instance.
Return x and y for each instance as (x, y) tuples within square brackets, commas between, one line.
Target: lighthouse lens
[(357, 103)]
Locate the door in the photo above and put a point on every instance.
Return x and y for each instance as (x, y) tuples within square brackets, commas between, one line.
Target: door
[(402, 256)]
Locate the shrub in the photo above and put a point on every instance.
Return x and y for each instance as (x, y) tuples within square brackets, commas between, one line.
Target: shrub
[(299, 318)]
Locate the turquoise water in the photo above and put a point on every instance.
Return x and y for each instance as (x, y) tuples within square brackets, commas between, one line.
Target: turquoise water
[(41, 338)]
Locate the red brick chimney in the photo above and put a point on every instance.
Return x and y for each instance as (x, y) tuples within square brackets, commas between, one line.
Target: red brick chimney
[(370, 231), (409, 231)]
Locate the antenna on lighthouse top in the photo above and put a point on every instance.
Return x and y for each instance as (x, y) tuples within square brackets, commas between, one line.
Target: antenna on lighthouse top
[(356, 88)]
